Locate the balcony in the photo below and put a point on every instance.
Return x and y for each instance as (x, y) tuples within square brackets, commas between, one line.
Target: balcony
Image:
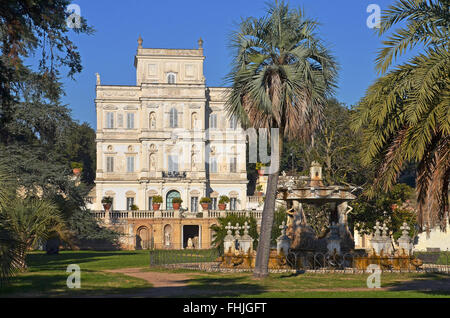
[(174, 174), (116, 216)]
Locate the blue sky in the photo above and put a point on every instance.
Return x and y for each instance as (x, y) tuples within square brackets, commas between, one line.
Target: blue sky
[(178, 24)]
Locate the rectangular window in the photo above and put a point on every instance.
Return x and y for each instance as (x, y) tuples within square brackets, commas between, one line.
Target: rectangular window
[(109, 120), (109, 164), (130, 202), (233, 203), (194, 204), (213, 165), (213, 121), (173, 163), (233, 165), (173, 120), (130, 120), (130, 164), (214, 203)]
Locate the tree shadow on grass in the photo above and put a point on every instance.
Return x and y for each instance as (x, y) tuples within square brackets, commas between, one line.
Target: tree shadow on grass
[(222, 287), (431, 283), (42, 261), (53, 284)]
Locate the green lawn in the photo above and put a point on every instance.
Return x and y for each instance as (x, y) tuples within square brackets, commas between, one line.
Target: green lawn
[(46, 276), (319, 285)]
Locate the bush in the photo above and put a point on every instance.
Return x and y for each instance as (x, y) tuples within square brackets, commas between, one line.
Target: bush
[(157, 199), (177, 200), (221, 232), (224, 199), (107, 200), (205, 200)]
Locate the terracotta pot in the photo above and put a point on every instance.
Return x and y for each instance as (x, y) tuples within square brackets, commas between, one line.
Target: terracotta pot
[(76, 171), (261, 172), (176, 206), (259, 194), (156, 206), (222, 206), (107, 206), (205, 206)]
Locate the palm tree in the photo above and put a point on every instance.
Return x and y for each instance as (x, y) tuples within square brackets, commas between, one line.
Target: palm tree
[(32, 220), (280, 79), (10, 248), (405, 115)]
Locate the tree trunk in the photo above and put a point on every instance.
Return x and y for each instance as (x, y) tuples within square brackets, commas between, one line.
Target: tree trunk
[(263, 251)]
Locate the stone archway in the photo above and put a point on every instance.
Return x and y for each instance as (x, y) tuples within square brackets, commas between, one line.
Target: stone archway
[(143, 238)]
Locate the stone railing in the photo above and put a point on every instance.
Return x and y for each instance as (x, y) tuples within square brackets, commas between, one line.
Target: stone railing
[(255, 199), (170, 214)]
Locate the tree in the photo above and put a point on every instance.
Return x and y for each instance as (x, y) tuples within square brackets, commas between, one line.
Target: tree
[(393, 207), (404, 116), (33, 220), (27, 28), (280, 78), (11, 248)]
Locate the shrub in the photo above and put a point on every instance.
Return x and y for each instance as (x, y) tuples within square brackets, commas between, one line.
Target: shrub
[(224, 199), (205, 200), (157, 199), (107, 200), (177, 200)]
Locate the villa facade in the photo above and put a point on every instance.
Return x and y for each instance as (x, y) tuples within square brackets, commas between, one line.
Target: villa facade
[(168, 136)]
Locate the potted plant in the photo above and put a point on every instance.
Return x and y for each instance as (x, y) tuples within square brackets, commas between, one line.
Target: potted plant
[(77, 167), (156, 202), (205, 202), (260, 168), (134, 207), (107, 202), (223, 200), (259, 188), (176, 203)]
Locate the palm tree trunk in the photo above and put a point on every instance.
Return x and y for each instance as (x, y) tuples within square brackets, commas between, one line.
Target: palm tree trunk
[(263, 251)]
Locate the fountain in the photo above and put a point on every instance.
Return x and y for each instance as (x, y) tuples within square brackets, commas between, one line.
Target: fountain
[(299, 247)]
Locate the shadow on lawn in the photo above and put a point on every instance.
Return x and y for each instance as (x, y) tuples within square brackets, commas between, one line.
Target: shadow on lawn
[(207, 287), (431, 283), (42, 261), (54, 285)]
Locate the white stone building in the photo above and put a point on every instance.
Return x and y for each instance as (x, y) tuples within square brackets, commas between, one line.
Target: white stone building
[(167, 135)]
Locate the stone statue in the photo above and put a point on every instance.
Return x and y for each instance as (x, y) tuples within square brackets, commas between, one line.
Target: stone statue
[(190, 243), (167, 238), (98, 78), (152, 121), (152, 163)]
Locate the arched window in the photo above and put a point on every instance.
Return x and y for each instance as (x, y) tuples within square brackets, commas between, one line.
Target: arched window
[(171, 78), (173, 118), (169, 197)]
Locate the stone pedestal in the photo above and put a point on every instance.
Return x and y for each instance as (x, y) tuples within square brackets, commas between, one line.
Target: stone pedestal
[(405, 242), (283, 241), (229, 241)]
